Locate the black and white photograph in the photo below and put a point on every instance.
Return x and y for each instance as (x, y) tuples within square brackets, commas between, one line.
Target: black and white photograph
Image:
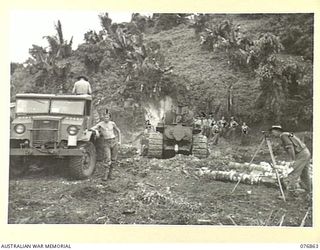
[(148, 118)]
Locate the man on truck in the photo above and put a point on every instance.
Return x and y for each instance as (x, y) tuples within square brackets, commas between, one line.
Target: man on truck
[(82, 86)]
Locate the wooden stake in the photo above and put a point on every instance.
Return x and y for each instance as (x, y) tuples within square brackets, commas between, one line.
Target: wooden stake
[(303, 222), (282, 219), (254, 155), (267, 221), (234, 223), (236, 185), (273, 165)]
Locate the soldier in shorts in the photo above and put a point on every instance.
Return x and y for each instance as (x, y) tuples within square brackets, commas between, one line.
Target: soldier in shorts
[(106, 128)]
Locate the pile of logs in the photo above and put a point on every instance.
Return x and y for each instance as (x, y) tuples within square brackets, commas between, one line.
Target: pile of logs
[(247, 173)]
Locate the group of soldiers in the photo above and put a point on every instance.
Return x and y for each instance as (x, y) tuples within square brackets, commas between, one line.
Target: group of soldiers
[(214, 129), (298, 152)]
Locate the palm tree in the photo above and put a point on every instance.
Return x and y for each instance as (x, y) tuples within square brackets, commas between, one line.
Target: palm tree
[(58, 47), (51, 66)]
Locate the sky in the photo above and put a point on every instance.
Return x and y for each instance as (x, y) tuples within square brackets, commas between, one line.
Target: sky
[(29, 27)]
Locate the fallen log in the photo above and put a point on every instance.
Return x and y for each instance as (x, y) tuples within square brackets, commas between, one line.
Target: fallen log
[(233, 176), (247, 173), (263, 167)]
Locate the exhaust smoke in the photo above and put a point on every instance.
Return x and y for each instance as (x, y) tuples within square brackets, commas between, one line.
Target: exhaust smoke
[(155, 110)]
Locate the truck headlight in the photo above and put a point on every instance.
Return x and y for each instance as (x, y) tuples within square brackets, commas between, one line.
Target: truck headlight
[(19, 128), (72, 130)]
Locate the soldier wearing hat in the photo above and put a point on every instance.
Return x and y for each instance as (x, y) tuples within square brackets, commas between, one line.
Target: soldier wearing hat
[(300, 157), (106, 128), (82, 86)]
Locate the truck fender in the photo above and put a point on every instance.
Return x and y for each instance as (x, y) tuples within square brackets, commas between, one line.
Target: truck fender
[(87, 136)]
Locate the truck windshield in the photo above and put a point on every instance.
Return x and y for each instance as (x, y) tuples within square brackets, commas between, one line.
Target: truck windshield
[(74, 107), (31, 106)]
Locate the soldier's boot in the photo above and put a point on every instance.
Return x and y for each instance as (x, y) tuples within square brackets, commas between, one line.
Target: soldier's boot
[(284, 184), (109, 175), (106, 172), (294, 190)]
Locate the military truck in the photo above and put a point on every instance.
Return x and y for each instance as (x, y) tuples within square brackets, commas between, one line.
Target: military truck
[(175, 134), (55, 126)]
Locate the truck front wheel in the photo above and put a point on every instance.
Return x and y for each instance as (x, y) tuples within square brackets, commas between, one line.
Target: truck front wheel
[(82, 167)]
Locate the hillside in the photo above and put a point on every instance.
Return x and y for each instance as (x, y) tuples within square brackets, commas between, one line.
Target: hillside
[(209, 73), (247, 66)]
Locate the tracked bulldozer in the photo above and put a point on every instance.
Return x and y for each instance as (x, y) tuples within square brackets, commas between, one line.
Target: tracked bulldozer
[(175, 134)]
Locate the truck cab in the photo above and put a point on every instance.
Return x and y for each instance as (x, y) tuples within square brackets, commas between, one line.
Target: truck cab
[(54, 126)]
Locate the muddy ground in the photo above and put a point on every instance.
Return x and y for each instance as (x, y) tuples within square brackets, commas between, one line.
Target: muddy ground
[(152, 191)]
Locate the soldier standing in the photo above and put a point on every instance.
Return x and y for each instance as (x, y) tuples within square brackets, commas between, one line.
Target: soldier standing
[(210, 124), (197, 122), (107, 129), (201, 122), (205, 126), (232, 128), (215, 133), (223, 125), (244, 133), (299, 155)]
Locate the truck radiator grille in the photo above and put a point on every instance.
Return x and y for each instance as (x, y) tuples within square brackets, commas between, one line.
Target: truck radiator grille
[(45, 132)]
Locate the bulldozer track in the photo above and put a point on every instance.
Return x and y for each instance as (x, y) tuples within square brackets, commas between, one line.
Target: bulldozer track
[(200, 146), (155, 145)]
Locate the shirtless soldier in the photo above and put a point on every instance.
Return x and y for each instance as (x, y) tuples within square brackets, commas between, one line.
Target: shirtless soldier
[(106, 128)]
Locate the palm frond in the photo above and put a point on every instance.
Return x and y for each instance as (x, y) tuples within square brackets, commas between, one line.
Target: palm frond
[(71, 41), (53, 43), (59, 31)]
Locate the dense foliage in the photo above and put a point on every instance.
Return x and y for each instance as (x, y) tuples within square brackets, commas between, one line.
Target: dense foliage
[(260, 54), (276, 52), (169, 21), (296, 33)]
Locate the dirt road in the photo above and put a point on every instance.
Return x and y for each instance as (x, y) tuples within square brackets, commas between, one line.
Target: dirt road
[(149, 191)]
